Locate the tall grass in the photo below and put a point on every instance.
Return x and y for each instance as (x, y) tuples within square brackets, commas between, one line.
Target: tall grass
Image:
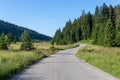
[(11, 62), (49, 49), (107, 59), (14, 60), (63, 47)]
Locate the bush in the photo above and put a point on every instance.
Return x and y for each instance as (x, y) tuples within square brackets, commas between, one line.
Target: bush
[(52, 48), (26, 46)]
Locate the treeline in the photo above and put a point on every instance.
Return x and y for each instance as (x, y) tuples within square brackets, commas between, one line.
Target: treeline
[(16, 31), (102, 27)]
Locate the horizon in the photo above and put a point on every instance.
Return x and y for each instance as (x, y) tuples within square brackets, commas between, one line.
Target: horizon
[(45, 16)]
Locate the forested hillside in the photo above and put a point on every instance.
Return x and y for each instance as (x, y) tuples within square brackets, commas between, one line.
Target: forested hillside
[(16, 31), (103, 27)]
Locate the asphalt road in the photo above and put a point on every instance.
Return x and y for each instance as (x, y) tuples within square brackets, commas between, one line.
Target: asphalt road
[(62, 66)]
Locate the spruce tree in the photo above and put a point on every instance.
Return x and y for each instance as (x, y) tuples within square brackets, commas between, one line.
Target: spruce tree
[(118, 27), (117, 39), (78, 34), (58, 37), (15, 40), (104, 13), (109, 38), (3, 42), (9, 38), (97, 14), (26, 42), (101, 34), (95, 34), (84, 25), (89, 24), (112, 14), (66, 32)]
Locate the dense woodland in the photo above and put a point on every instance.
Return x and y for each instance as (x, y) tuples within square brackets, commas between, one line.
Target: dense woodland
[(102, 27), (15, 32)]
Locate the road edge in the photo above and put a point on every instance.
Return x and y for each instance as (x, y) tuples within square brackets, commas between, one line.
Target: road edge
[(93, 67)]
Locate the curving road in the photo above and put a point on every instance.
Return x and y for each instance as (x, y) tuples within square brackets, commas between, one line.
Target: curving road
[(62, 66)]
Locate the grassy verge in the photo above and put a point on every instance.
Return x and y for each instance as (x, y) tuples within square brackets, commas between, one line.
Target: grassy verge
[(58, 48), (107, 59), (63, 47), (14, 60), (11, 62), (49, 49)]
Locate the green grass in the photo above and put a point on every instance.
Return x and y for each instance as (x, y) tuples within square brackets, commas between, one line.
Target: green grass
[(107, 59), (63, 47), (45, 47), (11, 62), (14, 60)]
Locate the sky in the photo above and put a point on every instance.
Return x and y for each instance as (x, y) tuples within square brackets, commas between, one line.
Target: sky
[(46, 16)]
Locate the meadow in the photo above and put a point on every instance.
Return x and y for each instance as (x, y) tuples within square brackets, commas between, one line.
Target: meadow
[(11, 62), (107, 59), (14, 60)]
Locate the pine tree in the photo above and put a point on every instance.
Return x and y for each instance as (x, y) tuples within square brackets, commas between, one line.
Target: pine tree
[(78, 34), (3, 42), (9, 38), (96, 24), (26, 41), (76, 30), (112, 14), (104, 13), (84, 25), (95, 34), (117, 39), (117, 13), (15, 40), (109, 38), (58, 37), (89, 25), (66, 32), (97, 14), (117, 27), (72, 37)]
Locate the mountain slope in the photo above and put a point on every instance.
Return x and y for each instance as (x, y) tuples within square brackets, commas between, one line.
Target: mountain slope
[(16, 31)]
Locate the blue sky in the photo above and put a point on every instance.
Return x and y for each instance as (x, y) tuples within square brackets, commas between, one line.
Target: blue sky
[(45, 16)]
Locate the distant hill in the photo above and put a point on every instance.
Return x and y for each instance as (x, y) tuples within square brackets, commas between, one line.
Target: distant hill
[(16, 31)]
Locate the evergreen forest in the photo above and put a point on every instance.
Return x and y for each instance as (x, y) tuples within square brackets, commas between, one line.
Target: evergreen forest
[(102, 27)]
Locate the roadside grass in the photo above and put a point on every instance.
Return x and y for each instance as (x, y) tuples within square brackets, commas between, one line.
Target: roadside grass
[(15, 46), (57, 48), (63, 47), (49, 49), (44, 46), (107, 59), (11, 62), (14, 60)]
